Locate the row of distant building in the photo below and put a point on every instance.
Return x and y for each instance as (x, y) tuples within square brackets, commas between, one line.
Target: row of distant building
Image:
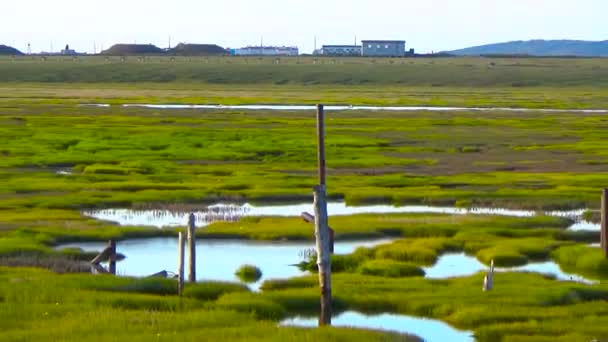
[(368, 48)]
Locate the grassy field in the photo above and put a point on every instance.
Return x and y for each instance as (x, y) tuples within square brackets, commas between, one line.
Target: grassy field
[(124, 156), (58, 158), (551, 83), (37, 306)]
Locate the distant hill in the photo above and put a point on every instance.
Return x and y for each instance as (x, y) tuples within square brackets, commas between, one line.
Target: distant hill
[(197, 50), (7, 50), (539, 48), (132, 49)]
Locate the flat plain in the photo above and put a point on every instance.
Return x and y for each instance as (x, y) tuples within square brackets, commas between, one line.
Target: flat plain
[(60, 156)]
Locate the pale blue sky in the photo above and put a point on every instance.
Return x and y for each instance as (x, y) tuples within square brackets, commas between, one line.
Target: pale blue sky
[(427, 25)]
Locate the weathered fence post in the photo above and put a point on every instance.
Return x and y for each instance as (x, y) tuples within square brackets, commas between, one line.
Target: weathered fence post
[(488, 280), (604, 232), (323, 253), (311, 219), (321, 143), (112, 266), (192, 248), (321, 226), (180, 263)]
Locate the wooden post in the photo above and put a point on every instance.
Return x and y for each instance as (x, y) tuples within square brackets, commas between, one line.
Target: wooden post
[(331, 239), (488, 280), (311, 219), (604, 232), (321, 226), (180, 263), (323, 254), (321, 144), (112, 266), (192, 248)]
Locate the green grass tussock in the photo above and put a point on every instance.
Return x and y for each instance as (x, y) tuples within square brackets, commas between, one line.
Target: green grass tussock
[(211, 290), (391, 269), (251, 304), (582, 259), (249, 273)]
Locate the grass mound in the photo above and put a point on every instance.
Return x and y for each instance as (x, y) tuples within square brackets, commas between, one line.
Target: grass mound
[(390, 269), (132, 49), (212, 290), (197, 50), (582, 259), (249, 303), (249, 273)]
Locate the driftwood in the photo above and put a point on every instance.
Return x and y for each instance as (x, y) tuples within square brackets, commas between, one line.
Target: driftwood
[(102, 257), (99, 269), (108, 254)]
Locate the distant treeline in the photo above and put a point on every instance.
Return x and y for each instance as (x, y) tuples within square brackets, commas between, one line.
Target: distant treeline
[(145, 49), (179, 50)]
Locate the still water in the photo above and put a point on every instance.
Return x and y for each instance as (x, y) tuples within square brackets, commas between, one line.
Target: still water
[(233, 212), (428, 329)]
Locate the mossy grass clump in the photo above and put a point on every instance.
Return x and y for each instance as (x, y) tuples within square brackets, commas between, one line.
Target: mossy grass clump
[(582, 259), (249, 303), (249, 273), (156, 286), (211, 290), (592, 216), (391, 269)]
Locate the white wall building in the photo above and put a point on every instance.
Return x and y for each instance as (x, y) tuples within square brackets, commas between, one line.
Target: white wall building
[(266, 51), (341, 50)]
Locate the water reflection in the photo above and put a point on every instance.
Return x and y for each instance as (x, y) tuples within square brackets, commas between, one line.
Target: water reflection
[(234, 212), (428, 329), (217, 259), (460, 264), (359, 108)]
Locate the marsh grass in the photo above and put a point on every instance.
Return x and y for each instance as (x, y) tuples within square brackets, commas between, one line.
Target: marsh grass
[(518, 302), (38, 305), (391, 269), (582, 259), (134, 157), (249, 273), (263, 156)]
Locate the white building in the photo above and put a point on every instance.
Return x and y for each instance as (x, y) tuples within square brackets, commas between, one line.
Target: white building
[(341, 50), (266, 51)]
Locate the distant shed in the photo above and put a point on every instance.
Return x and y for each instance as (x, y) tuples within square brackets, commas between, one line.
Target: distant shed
[(383, 48)]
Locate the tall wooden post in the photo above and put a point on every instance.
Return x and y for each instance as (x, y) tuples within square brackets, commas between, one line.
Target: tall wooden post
[(322, 227), (112, 264), (321, 143), (604, 232), (192, 248), (180, 263)]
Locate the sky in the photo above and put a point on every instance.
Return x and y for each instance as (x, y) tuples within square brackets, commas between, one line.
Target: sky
[(425, 25)]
